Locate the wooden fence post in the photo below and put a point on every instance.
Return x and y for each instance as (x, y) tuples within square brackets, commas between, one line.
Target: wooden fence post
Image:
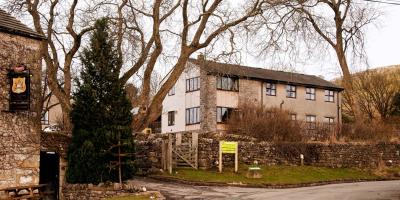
[(170, 153), (195, 144)]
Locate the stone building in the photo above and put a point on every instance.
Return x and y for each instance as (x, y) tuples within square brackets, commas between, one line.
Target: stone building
[(19, 125), (207, 92)]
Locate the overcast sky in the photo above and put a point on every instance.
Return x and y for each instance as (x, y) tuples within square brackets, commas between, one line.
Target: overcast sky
[(382, 47)]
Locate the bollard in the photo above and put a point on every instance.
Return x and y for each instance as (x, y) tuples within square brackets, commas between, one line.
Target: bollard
[(301, 159)]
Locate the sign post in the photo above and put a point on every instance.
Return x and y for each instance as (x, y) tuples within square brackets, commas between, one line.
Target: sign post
[(229, 148)]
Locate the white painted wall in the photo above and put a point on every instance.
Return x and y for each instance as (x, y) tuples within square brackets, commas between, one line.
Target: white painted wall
[(180, 101)]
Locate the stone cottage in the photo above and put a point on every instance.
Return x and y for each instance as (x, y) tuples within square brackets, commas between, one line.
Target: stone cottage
[(20, 94)]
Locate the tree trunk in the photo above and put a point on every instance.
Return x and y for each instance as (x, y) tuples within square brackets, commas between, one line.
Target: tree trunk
[(348, 84)]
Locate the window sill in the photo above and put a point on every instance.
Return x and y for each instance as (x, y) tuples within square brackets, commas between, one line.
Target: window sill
[(193, 124), (228, 90), (192, 91)]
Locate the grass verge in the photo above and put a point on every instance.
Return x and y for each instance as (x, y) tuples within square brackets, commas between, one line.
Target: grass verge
[(275, 175)]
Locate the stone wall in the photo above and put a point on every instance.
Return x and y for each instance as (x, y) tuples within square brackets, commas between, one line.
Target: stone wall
[(316, 154), (19, 131), (97, 192)]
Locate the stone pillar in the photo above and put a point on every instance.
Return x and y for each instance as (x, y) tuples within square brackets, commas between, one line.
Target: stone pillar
[(19, 131), (208, 101)]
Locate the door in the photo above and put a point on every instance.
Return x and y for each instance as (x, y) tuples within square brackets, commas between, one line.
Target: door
[(49, 174)]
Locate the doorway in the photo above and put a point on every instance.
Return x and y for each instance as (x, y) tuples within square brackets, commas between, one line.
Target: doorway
[(49, 173)]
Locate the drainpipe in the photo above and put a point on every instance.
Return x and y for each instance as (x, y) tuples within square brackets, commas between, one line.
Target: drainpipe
[(281, 105), (262, 94)]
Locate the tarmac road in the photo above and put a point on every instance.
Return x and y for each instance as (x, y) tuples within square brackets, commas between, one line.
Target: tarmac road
[(379, 190)]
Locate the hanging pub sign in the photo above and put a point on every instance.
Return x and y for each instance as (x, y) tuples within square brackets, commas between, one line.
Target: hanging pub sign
[(19, 78)]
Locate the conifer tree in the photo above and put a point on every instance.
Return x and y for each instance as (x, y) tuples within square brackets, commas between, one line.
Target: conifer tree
[(101, 116)]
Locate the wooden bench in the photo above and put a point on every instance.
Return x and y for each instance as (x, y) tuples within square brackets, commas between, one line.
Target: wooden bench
[(24, 192)]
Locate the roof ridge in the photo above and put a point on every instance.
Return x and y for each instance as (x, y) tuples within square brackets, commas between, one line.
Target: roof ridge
[(265, 74)]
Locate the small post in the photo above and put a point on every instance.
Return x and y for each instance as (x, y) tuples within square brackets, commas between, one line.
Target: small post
[(169, 153), (164, 147), (301, 159), (237, 158), (195, 138), (220, 158)]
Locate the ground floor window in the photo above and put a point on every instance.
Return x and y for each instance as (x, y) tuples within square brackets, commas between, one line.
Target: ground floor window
[(171, 118), (223, 114), (311, 122), (192, 115)]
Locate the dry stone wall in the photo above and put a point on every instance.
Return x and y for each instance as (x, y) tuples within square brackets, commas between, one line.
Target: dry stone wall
[(19, 131), (98, 192), (316, 154)]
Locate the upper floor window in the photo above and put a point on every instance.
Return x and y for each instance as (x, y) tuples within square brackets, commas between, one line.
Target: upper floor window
[(329, 96), (223, 114), (271, 89), (192, 115), (171, 91), (192, 84), (311, 121), (171, 118), (227, 83), (290, 91), (310, 94)]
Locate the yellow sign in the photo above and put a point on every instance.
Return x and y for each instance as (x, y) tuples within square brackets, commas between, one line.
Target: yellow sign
[(228, 147)]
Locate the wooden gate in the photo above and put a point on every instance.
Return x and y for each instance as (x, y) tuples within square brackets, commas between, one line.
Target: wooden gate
[(180, 150)]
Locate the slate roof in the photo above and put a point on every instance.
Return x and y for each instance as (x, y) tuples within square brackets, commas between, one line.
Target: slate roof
[(10, 24), (264, 74)]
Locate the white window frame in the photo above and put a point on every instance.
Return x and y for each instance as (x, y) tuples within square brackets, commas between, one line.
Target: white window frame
[(329, 96), (270, 89), (192, 115), (291, 91), (310, 93)]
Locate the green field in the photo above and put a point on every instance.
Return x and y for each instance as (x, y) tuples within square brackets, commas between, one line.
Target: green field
[(274, 175)]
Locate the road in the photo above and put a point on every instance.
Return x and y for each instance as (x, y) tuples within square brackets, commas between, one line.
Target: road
[(380, 190)]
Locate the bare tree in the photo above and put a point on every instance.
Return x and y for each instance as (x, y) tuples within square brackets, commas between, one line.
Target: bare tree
[(193, 25), (338, 23), (146, 33), (376, 91), (57, 22)]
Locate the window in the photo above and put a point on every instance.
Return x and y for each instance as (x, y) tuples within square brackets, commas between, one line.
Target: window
[(227, 83), (271, 89), (293, 117), (223, 114), (171, 91), (171, 118), (45, 118), (329, 96), (310, 94), (192, 115), (329, 120), (290, 91), (311, 122), (192, 84)]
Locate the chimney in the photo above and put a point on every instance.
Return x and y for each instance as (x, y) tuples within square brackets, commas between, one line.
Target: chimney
[(200, 57)]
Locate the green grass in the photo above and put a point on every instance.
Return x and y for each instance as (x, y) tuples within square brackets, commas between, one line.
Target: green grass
[(134, 197), (274, 175)]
